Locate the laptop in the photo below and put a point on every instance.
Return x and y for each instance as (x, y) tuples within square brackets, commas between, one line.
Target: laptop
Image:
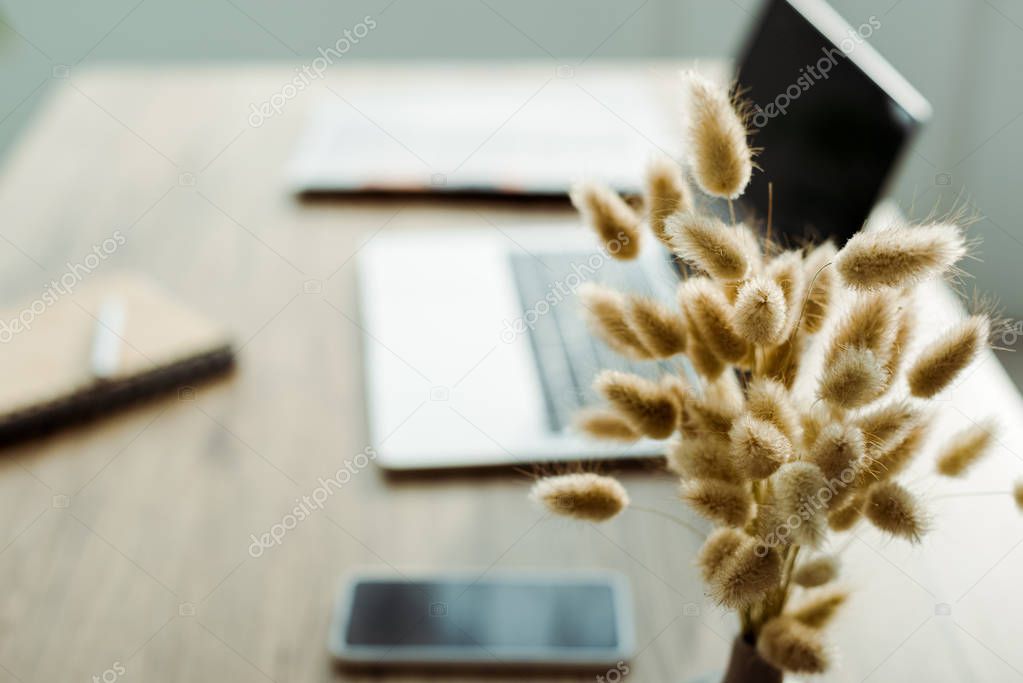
[(475, 349)]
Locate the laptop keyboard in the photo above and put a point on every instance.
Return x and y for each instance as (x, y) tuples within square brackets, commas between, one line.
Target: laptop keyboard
[(567, 354)]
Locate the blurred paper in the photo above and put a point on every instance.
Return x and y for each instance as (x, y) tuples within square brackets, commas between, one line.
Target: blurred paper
[(513, 137)]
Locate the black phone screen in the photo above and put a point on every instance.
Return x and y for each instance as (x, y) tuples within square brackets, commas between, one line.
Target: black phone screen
[(490, 614)]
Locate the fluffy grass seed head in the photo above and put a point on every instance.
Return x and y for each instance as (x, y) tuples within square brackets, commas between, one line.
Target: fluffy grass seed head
[(893, 509), (705, 361), (769, 400), (708, 244), (1017, 494), (758, 447), (904, 332), (816, 571), (605, 424), (650, 408), (782, 362), (751, 572), (760, 311), (894, 458), (800, 489), (717, 550), (900, 255), (722, 161), (667, 192), (586, 496), (606, 313), (710, 313), (717, 408), (965, 448), (786, 270), (886, 425), (659, 329), (821, 283), (813, 421), (719, 501), (838, 451), (614, 221), (871, 323), (820, 608), (845, 516), (942, 360), (854, 378), (702, 457), (792, 646)]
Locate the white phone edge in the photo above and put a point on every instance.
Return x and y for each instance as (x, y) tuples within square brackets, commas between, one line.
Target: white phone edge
[(571, 658)]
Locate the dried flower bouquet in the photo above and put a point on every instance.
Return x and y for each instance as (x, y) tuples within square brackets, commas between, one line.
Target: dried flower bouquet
[(775, 471)]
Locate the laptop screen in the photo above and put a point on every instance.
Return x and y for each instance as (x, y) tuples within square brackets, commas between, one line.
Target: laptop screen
[(830, 132)]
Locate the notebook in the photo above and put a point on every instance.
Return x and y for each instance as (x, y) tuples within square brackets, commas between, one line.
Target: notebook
[(48, 344)]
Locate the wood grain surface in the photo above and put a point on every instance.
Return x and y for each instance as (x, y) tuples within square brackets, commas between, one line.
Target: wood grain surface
[(125, 545)]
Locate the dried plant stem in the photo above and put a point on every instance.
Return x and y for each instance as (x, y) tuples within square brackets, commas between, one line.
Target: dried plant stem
[(681, 522), (731, 211), (770, 212)]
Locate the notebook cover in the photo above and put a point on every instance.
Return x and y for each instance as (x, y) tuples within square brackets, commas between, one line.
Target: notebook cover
[(46, 343)]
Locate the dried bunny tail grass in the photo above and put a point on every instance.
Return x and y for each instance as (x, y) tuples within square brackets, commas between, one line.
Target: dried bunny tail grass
[(721, 158), (587, 496), (813, 422), (900, 255), (792, 646), (705, 361), (605, 424), (816, 571), (659, 329), (648, 407), (717, 550), (606, 315), (820, 608), (786, 270), (614, 221), (885, 426), (709, 244), (677, 387), (751, 572), (718, 407), (845, 517), (821, 284), (838, 451), (709, 311), (965, 448), (904, 332), (800, 491), (854, 378), (943, 359), (758, 447), (769, 400), (782, 362), (895, 458), (667, 192), (719, 501), (760, 311), (871, 324), (702, 458), (893, 509)]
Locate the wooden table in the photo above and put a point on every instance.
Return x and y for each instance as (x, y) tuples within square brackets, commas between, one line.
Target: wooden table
[(124, 546)]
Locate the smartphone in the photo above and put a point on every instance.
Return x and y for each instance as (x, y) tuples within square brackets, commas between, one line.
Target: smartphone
[(577, 620)]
